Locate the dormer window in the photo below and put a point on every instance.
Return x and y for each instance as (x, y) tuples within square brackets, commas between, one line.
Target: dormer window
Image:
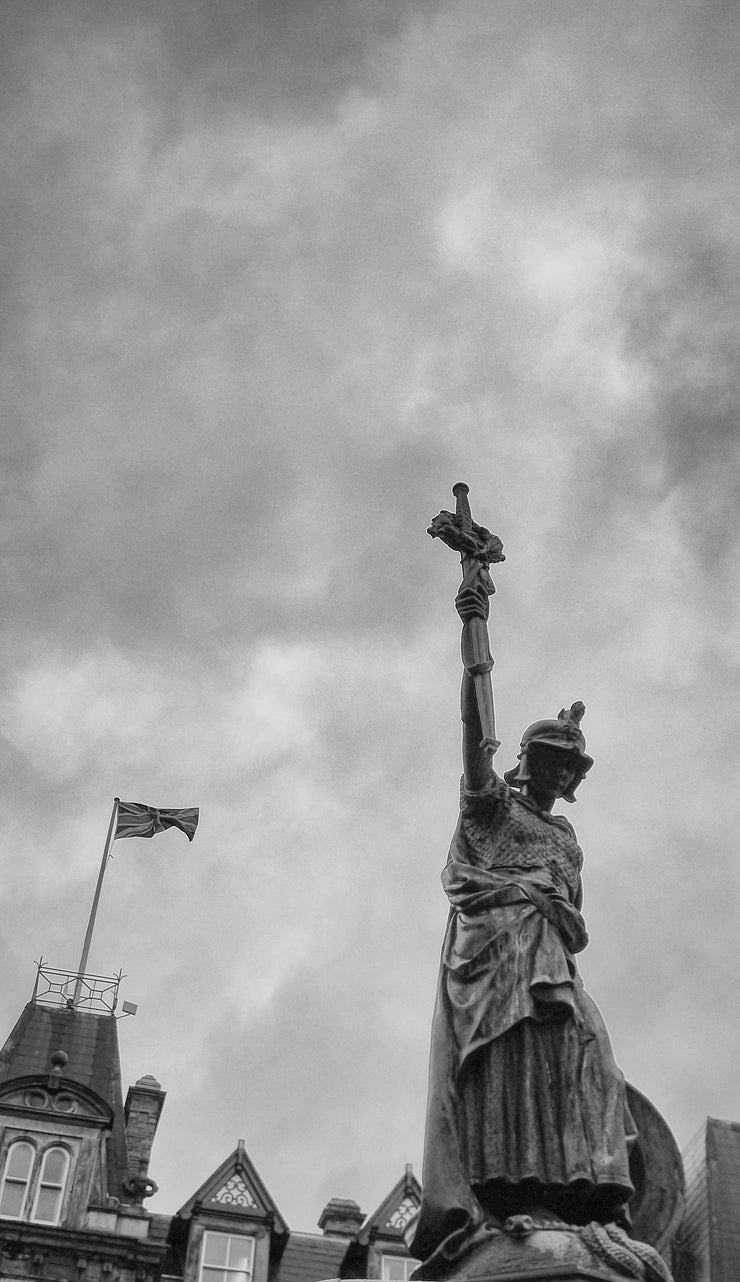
[(33, 1180), (226, 1257)]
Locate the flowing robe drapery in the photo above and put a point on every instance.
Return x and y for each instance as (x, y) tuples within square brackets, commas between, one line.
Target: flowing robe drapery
[(523, 1089)]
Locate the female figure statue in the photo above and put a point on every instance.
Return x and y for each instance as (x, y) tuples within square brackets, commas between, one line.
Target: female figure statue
[(527, 1109)]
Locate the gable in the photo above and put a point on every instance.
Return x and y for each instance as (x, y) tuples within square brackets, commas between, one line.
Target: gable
[(395, 1212), (235, 1188)]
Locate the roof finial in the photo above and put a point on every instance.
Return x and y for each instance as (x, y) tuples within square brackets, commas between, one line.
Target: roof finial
[(58, 1062)]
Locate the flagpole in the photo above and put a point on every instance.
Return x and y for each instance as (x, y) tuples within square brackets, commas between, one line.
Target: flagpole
[(96, 900)]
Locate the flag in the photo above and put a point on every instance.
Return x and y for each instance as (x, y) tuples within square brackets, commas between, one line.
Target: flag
[(135, 820)]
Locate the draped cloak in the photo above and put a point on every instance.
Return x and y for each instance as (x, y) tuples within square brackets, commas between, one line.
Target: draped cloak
[(523, 1088)]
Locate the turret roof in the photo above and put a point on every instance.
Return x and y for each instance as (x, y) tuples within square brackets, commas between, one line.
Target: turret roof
[(90, 1042)]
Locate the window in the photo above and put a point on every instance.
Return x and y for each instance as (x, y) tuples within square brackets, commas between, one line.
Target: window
[(16, 1179), (397, 1268), (47, 1203), (34, 1180), (226, 1257)]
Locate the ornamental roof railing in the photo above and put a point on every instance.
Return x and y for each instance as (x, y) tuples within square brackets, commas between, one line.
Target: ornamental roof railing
[(70, 989)]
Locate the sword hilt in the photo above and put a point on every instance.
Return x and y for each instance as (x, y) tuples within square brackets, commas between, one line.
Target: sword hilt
[(461, 492)]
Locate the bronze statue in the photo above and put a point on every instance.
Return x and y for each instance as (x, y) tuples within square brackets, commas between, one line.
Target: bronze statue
[(527, 1110)]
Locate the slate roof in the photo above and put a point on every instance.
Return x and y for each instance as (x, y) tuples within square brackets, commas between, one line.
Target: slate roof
[(308, 1258), (90, 1042)]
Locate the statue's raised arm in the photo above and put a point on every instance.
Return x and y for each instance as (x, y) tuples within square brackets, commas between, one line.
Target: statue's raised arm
[(478, 549)]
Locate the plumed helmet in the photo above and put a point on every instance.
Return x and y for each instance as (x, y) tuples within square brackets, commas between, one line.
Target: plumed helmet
[(564, 733)]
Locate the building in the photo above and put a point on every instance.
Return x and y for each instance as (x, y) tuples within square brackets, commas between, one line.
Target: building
[(709, 1247), (74, 1177), (74, 1173)]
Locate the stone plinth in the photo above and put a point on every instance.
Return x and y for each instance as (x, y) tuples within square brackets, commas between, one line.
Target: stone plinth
[(537, 1248), (543, 1248), (538, 1255)]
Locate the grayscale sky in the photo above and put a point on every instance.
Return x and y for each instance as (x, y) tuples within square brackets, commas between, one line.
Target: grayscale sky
[(275, 275)]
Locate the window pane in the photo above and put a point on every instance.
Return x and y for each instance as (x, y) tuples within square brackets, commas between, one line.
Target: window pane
[(215, 1249), (54, 1168), (20, 1159), (18, 1165), (47, 1204), (11, 1202), (240, 1254), (393, 1268), (397, 1268), (48, 1201)]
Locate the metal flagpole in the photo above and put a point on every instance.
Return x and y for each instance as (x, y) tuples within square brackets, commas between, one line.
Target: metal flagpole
[(96, 901)]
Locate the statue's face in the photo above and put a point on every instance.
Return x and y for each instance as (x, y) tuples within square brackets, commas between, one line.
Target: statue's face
[(552, 769)]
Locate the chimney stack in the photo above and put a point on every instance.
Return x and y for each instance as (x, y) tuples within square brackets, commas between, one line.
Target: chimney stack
[(144, 1103), (341, 1217)]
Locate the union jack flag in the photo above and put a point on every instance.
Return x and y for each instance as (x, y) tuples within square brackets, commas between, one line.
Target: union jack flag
[(135, 820)]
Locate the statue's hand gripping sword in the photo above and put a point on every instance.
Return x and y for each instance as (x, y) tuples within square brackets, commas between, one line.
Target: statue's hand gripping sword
[(478, 549)]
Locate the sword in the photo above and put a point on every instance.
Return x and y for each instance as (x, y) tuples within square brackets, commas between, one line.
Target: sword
[(478, 548)]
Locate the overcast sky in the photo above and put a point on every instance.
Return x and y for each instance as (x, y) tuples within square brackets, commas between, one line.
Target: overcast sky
[(276, 274)]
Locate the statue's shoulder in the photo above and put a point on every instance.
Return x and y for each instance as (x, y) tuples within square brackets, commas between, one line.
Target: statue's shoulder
[(565, 826), (482, 803)]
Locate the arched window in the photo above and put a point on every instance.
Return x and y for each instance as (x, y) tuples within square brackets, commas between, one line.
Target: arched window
[(47, 1204), (16, 1179)]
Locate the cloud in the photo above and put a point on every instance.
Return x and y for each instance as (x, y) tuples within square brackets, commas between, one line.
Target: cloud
[(277, 275)]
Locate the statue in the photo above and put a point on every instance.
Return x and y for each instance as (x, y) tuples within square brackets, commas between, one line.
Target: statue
[(527, 1112)]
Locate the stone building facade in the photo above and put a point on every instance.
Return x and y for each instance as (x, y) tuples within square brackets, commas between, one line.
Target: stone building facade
[(74, 1174), (709, 1245)]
